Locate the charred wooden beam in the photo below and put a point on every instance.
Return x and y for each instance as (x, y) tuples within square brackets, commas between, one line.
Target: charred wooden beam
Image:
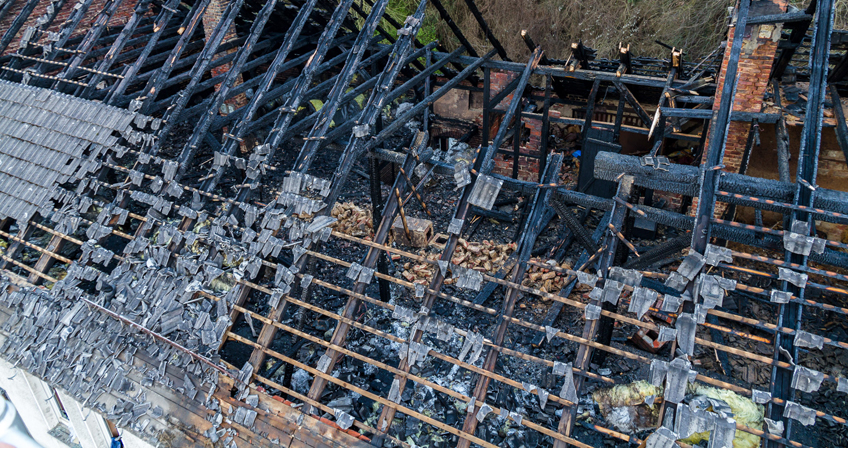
[(213, 104), (43, 24), (603, 324), (151, 89), (631, 100), (805, 195), (15, 27), (162, 21), (485, 27), (525, 246), (799, 31), (841, 128), (443, 13), (201, 66), (118, 45), (367, 117), (328, 109), (781, 136), (68, 28), (85, 47)]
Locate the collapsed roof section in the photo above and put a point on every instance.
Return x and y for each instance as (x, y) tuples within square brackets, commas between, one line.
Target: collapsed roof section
[(195, 263)]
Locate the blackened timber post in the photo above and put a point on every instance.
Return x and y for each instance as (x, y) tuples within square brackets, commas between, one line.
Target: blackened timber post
[(487, 75), (546, 126), (805, 194), (841, 128), (592, 327)]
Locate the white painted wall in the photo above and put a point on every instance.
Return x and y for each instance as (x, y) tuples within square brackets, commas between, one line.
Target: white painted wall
[(41, 413)]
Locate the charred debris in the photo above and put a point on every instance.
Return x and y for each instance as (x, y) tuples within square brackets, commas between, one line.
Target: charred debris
[(289, 223)]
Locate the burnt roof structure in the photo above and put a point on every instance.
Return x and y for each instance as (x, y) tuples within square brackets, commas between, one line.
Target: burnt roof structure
[(180, 258)]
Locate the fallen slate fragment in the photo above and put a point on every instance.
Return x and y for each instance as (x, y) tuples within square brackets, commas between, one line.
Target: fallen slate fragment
[(592, 312), (550, 333), (758, 396), (483, 412), (806, 379), (802, 414), (774, 427), (560, 368), (808, 340), (662, 438), (343, 419)]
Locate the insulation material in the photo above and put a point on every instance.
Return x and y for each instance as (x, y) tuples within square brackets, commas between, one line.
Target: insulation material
[(743, 410), (624, 407)]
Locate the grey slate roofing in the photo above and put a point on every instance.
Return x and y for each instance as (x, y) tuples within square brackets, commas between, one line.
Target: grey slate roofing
[(48, 138)]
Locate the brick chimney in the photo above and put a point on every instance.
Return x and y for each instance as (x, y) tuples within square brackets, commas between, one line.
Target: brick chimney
[(213, 14), (759, 47)]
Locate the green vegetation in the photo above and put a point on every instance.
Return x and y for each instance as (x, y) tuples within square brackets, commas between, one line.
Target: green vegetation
[(697, 26)]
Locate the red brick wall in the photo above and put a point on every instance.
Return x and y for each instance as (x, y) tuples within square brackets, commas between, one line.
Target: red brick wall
[(759, 47), (211, 17), (123, 13)]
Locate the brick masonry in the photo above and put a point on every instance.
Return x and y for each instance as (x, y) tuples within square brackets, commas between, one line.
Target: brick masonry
[(124, 12), (759, 47), (211, 17)]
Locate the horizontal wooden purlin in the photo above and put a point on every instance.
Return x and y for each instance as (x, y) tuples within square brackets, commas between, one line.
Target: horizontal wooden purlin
[(580, 122), (63, 64), (362, 392), (740, 116), (784, 18), (583, 75), (417, 379), (578, 305), (599, 346), (38, 75)]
